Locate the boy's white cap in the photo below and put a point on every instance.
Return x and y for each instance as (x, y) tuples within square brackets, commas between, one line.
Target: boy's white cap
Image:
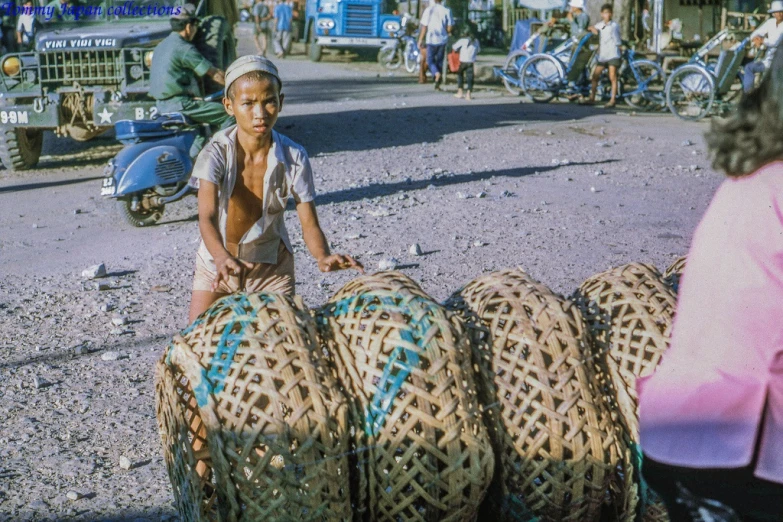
[(580, 4), (249, 63), (775, 7)]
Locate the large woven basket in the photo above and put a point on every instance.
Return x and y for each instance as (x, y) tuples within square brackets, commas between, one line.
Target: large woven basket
[(252, 426), (406, 361), (629, 311), (673, 274), (554, 438)]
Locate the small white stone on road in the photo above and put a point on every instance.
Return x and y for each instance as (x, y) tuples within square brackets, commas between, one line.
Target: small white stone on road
[(415, 250), (35, 225), (119, 320), (388, 263), (599, 172), (460, 195), (94, 271), (73, 495), (479, 243), (687, 143), (592, 189), (565, 162), (125, 463), (693, 168), (110, 356), (481, 195)]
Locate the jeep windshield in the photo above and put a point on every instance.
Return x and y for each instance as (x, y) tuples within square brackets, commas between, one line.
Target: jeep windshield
[(68, 12)]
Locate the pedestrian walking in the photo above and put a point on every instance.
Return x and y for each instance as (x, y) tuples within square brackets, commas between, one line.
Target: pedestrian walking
[(711, 416), (25, 27), (262, 16), (436, 26), (609, 56), (468, 48), (283, 17), (768, 34)]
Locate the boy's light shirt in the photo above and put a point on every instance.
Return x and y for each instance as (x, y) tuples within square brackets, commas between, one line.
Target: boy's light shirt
[(609, 40), (288, 173)]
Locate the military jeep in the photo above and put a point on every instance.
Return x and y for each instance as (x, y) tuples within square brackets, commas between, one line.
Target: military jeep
[(90, 66)]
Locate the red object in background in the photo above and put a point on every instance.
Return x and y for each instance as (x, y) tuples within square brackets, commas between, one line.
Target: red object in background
[(453, 61)]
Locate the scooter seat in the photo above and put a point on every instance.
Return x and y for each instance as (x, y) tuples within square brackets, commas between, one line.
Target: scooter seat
[(133, 131)]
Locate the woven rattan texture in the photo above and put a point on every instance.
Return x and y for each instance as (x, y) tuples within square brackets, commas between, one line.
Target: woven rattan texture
[(673, 274), (406, 361), (275, 423), (629, 311), (552, 434)]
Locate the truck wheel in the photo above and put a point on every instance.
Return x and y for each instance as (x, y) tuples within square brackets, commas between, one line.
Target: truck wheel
[(215, 41), (314, 51), (140, 217), (20, 148)]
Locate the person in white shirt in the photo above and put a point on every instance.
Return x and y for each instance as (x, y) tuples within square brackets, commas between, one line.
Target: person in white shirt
[(25, 26), (609, 56), (468, 48), (436, 25), (768, 34)]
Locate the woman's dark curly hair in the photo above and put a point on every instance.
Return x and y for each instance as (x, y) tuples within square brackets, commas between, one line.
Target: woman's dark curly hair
[(753, 135)]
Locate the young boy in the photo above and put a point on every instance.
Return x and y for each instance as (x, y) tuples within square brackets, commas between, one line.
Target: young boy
[(248, 172), (608, 52), (469, 48)]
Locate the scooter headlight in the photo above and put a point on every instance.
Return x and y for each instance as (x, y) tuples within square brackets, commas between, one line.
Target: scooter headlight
[(148, 59)]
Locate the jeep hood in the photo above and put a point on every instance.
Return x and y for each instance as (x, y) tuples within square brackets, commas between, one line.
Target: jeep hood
[(114, 36)]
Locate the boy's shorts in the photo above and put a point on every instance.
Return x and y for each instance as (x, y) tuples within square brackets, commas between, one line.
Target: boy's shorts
[(277, 278), (614, 61)]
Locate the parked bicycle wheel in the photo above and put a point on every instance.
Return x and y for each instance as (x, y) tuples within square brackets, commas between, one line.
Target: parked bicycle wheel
[(411, 56), (512, 68), (542, 77), (390, 57), (645, 85), (690, 92)]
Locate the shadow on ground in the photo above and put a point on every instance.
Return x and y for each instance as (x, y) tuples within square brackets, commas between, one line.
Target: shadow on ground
[(357, 130)]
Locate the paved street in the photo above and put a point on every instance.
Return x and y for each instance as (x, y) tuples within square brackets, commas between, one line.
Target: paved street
[(562, 190)]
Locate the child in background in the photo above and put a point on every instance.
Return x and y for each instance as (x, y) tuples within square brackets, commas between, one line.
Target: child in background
[(608, 52), (468, 50)]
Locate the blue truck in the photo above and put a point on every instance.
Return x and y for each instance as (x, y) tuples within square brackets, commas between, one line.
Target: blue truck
[(349, 24)]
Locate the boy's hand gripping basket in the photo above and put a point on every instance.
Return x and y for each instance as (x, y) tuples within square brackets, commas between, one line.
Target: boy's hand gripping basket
[(406, 362), (253, 427), (629, 311), (553, 437)]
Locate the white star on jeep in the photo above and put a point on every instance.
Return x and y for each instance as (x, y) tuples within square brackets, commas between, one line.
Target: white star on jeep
[(105, 116)]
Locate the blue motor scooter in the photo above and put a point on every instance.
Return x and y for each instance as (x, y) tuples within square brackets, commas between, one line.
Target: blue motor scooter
[(153, 169)]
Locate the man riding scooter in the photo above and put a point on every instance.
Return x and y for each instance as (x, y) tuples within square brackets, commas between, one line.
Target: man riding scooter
[(175, 64)]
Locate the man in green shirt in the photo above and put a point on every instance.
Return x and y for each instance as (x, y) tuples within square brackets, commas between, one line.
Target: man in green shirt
[(175, 64)]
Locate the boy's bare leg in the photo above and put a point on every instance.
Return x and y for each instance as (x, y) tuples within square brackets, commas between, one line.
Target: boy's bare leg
[(596, 74), (613, 79), (200, 300)]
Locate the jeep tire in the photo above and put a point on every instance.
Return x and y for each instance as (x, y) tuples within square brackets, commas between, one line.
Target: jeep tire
[(215, 41), (20, 148), (314, 51)]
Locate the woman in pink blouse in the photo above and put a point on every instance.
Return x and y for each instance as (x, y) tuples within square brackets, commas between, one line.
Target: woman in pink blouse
[(712, 415)]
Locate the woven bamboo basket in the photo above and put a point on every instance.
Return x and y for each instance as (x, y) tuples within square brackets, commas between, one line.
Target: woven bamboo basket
[(673, 274), (554, 438), (629, 311), (406, 361), (252, 426)]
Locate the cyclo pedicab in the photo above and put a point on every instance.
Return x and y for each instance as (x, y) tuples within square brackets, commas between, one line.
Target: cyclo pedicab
[(705, 86), (566, 71)]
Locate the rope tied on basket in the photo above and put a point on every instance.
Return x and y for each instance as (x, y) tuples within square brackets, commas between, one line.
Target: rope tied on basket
[(398, 367)]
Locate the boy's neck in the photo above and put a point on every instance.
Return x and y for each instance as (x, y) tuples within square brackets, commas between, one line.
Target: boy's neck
[(253, 145)]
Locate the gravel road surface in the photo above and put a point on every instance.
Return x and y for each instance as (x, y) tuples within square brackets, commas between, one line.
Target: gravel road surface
[(563, 191)]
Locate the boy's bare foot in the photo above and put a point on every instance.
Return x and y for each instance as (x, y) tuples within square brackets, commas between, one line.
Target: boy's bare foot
[(437, 82), (459, 94), (467, 96), (586, 101), (574, 97), (610, 105)]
